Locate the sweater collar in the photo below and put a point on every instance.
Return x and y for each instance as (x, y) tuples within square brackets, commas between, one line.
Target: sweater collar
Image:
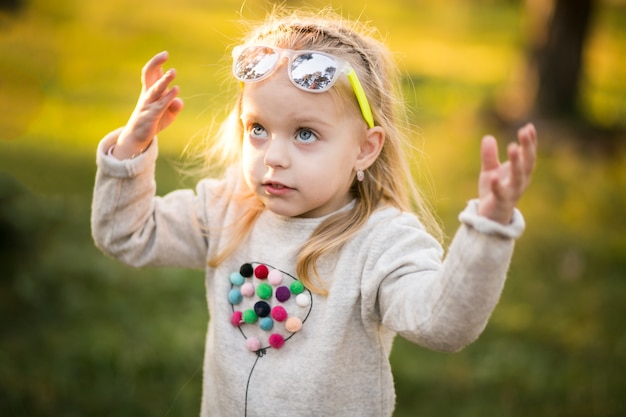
[(302, 223)]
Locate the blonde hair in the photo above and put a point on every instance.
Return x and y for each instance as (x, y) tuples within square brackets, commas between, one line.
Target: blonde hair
[(388, 181)]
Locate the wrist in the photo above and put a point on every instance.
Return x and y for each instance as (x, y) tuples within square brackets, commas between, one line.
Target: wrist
[(511, 229), (121, 152), (503, 216)]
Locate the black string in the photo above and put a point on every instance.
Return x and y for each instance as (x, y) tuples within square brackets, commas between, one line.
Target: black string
[(259, 354)]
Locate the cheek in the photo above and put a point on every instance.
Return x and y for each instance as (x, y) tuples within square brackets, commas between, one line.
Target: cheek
[(333, 173), (247, 162), (249, 153), (246, 154), (251, 159)]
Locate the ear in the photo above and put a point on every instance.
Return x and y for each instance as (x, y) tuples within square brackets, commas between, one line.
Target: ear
[(370, 147)]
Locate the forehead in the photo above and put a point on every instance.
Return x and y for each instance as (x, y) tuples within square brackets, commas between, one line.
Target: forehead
[(277, 96)]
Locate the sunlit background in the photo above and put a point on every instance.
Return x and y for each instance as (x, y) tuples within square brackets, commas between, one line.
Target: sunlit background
[(82, 335)]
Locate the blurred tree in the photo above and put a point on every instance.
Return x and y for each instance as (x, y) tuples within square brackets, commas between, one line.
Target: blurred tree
[(12, 5), (558, 58), (548, 89)]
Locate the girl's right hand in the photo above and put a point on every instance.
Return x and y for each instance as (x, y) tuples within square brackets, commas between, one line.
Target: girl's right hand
[(157, 107)]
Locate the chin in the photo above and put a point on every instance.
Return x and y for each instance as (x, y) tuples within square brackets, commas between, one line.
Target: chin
[(284, 209)]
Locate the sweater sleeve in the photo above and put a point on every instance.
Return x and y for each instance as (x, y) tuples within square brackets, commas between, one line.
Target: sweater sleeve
[(138, 228), (444, 305)]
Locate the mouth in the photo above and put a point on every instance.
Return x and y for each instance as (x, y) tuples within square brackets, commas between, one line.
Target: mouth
[(276, 188)]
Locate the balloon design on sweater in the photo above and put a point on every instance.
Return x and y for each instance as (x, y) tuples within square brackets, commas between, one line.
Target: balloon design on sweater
[(269, 305)]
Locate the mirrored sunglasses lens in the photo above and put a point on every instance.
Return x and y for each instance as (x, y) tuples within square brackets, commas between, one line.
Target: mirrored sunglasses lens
[(313, 71), (254, 63)]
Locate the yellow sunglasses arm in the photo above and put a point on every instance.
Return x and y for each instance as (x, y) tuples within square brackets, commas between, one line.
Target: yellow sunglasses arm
[(366, 110)]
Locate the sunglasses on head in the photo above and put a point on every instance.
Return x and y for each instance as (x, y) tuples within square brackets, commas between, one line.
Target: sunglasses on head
[(310, 71)]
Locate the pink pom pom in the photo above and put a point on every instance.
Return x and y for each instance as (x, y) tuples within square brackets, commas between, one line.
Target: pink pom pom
[(247, 289), (276, 341), (253, 344), (275, 277), (279, 313), (236, 318)]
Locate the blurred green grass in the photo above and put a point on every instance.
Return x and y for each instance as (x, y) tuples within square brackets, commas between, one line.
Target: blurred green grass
[(84, 335)]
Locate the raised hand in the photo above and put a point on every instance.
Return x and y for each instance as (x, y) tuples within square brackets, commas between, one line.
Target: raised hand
[(500, 186), (157, 107)]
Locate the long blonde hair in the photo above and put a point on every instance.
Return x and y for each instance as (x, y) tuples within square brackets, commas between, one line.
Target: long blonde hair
[(388, 181)]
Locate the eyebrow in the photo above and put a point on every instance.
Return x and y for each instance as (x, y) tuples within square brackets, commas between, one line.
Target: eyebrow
[(302, 120)]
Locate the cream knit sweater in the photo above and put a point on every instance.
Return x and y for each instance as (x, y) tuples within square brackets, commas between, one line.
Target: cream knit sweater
[(273, 348)]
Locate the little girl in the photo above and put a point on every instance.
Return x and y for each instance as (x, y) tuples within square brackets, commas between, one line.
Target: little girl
[(314, 260)]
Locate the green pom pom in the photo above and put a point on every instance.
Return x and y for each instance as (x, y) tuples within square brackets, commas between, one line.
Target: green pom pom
[(296, 287), (249, 316), (264, 291)]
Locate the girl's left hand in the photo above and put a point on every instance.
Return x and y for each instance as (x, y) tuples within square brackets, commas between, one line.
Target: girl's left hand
[(500, 186)]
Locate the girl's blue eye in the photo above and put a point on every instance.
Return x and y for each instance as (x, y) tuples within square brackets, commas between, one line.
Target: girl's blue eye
[(306, 136), (258, 131)]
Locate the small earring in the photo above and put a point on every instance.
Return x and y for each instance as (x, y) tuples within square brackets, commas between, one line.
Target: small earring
[(360, 175)]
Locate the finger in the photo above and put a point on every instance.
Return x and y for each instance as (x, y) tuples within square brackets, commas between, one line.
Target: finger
[(496, 188), (153, 70), (171, 105), (489, 153), (528, 141), (159, 88), (517, 175), (176, 105)]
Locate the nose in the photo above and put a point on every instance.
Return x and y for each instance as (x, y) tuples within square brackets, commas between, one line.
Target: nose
[(277, 153)]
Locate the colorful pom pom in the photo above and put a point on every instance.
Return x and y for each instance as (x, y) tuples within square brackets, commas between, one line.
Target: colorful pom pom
[(264, 291), (236, 319), (261, 271), (237, 279), (253, 344), (249, 316), (247, 289), (293, 324), (262, 309), (296, 287), (266, 323), (276, 341), (246, 270), (275, 277), (279, 313), (302, 300), (234, 296), (282, 294)]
